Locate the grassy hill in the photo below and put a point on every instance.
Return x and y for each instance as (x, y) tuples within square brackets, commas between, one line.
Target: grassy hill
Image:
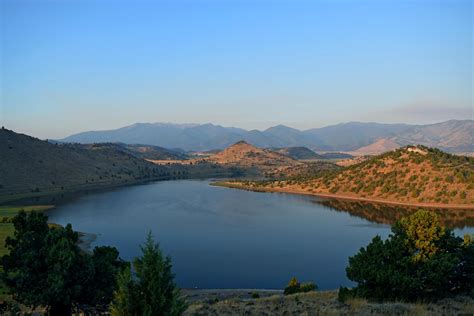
[(150, 152), (244, 154), (30, 167), (412, 174)]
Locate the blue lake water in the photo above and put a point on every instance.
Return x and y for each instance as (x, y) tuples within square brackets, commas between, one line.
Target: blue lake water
[(226, 238)]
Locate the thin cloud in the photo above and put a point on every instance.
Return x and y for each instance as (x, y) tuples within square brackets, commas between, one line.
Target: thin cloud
[(427, 112)]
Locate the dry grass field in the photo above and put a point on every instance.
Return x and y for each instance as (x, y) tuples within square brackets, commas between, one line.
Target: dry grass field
[(319, 303)]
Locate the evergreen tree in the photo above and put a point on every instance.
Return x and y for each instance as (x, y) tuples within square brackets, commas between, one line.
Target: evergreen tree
[(152, 291), (45, 267), (125, 300)]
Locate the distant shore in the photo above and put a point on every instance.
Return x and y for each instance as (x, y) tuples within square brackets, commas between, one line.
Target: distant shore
[(236, 185)]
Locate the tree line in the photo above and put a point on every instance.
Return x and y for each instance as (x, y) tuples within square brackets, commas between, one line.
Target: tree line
[(45, 268)]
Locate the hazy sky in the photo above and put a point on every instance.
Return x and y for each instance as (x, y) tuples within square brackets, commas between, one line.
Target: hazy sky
[(70, 66)]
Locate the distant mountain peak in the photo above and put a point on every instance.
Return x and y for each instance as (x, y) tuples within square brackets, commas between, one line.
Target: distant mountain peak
[(281, 127)]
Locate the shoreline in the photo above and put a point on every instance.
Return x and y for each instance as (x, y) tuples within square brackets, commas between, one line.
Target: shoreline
[(467, 207), (8, 198)]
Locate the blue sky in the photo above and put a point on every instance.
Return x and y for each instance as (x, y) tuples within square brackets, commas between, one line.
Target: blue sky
[(70, 66)]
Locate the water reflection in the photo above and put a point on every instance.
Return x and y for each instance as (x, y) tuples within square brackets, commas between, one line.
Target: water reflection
[(388, 214)]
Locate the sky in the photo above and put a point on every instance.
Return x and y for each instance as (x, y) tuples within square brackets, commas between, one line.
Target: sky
[(75, 65)]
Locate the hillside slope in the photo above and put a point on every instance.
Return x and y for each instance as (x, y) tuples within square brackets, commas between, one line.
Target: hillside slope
[(30, 165), (299, 153), (412, 174), (452, 136), (379, 147), (33, 167), (152, 152)]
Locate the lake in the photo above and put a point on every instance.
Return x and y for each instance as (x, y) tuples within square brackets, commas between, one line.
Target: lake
[(227, 238)]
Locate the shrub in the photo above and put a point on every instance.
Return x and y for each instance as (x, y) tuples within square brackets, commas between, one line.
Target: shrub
[(296, 287), (449, 179), (255, 295), (308, 287), (419, 261), (344, 294), (292, 287)]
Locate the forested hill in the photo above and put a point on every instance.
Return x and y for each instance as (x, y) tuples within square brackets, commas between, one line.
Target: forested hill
[(413, 174), (30, 165)]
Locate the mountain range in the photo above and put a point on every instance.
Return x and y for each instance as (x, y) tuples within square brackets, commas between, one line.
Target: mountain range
[(451, 136)]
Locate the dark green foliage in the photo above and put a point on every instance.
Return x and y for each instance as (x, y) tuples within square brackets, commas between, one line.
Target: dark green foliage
[(107, 265), (152, 291), (296, 287), (126, 301), (344, 294), (308, 287), (255, 295), (45, 267), (419, 261)]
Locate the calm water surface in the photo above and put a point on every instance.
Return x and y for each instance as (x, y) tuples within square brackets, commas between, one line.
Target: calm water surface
[(226, 238)]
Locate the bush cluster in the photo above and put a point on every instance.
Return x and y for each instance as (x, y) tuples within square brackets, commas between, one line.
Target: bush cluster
[(420, 261), (296, 287)]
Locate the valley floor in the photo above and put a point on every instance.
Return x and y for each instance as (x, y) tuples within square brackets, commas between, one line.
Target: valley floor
[(239, 302), (237, 185)]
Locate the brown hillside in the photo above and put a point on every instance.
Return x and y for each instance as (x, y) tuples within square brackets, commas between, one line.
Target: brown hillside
[(407, 175), (244, 154), (380, 146), (30, 165), (257, 162)]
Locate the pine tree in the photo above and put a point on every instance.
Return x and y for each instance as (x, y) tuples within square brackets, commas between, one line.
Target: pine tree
[(125, 302), (152, 291)]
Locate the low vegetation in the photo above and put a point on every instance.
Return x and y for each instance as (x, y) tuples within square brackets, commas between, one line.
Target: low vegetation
[(296, 287), (325, 303)]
